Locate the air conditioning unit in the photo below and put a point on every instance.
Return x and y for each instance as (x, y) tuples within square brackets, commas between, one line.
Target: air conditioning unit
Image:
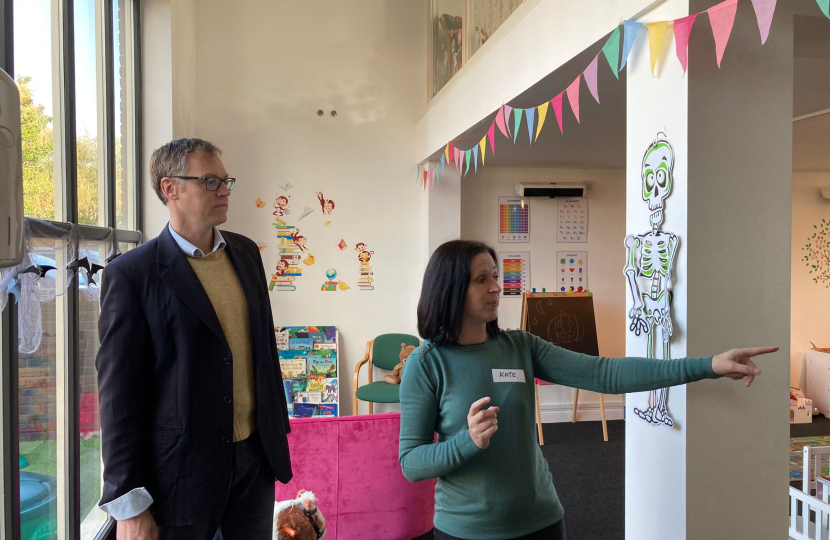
[(551, 189), (11, 174)]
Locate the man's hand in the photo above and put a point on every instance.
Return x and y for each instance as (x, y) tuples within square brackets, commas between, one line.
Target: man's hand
[(482, 423), (141, 527)]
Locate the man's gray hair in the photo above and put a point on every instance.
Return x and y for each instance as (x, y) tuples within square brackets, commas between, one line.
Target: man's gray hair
[(171, 160)]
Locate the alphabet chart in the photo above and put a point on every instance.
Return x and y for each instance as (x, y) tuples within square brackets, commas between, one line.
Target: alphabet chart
[(571, 271), (514, 219), (572, 218)]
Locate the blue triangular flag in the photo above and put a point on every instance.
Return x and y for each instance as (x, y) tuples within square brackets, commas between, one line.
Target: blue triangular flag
[(631, 30), (442, 162), (475, 158), (530, 114)]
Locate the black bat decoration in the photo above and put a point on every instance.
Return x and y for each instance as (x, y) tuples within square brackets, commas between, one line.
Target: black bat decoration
[(40, 271)]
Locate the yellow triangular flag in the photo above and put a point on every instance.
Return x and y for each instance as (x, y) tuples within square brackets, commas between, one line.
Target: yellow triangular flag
[(656, 31), (543, 111), (483, 145), (447, 153)]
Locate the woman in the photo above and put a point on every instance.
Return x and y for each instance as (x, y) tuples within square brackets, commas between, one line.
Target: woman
[(493, 482)]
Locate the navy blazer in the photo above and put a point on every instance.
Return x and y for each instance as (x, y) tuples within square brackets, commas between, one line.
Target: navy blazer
[(164, 371)]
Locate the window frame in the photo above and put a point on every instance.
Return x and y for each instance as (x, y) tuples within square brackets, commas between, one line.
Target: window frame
[(69, 354)]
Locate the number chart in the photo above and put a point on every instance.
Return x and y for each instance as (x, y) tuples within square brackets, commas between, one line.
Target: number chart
[(514, 219)]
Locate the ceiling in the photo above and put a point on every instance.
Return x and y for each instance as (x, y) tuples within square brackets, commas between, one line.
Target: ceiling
[(600, 139)]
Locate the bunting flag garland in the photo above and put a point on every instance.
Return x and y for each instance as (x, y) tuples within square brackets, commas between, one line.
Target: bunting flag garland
[(682, 31), (590, 75), (500, 123), (556, 103), (612, 51), (656, 32), (517, 119), (722, 19), (530, 113), (825, 7), (631, 29), (763, 12), (573, 97), (543, 112)]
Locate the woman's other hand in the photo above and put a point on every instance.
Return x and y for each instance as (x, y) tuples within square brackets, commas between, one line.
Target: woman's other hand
[(482, 423)]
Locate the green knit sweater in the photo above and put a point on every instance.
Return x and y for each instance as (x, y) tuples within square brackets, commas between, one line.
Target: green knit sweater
[(506, 490)]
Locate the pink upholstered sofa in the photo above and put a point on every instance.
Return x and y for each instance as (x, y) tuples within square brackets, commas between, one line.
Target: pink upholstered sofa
[(351, 465)]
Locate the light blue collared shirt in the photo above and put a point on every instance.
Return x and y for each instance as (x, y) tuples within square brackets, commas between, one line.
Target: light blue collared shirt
[(193, 251), (139, 499)]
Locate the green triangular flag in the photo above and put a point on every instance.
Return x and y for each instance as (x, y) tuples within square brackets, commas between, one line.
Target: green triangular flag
[(517, 121), (612, 50), (467, 156), (825, 7)]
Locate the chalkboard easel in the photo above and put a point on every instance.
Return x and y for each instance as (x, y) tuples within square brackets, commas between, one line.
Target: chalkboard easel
[(566, 320)]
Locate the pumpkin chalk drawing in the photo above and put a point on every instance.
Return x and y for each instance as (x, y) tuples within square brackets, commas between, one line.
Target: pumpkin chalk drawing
[(565, 328)]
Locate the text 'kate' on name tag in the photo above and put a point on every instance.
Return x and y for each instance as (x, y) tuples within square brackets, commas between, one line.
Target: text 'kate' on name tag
[(508, 375)]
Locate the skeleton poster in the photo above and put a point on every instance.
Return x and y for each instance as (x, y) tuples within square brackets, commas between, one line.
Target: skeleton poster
[(649, 260)]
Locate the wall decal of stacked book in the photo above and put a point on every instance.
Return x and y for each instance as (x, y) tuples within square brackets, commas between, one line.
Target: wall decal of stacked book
[(288, 267), (366, 281)]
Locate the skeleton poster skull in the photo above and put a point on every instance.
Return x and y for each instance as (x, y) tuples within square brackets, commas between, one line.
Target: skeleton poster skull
[(648, 269)]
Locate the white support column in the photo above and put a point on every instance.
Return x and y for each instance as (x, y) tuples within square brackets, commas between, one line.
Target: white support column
[(442, 210), (655, 456), (718, 472)]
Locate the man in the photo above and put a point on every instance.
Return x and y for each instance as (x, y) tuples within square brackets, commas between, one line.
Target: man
[(193, 412)]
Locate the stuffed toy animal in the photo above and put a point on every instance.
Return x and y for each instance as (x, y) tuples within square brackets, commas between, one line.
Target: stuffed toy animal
[(299, 519), (395, 378)]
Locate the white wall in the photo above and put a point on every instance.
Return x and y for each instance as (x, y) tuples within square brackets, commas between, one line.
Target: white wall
[(810, 301), (262, 70), (606, 258)]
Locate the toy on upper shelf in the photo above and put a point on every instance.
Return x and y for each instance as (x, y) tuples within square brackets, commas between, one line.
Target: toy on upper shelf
[(801, 407)]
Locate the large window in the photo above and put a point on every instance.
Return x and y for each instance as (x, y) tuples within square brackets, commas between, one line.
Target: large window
[(458, 28), (76, 65)]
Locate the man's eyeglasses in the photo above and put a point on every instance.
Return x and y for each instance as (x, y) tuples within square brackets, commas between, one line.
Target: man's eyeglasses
[(212, 183)]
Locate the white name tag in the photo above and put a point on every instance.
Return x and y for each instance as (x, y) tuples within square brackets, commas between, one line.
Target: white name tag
[(508, 375)]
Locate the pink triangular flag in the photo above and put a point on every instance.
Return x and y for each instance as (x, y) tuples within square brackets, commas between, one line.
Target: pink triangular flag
[(507, 110), (682, 30), (722, 17), (458, 160), (556, 103), (491, 135), (590, 75), (763, 12), (452, 153), (573, 96), (500, 122)]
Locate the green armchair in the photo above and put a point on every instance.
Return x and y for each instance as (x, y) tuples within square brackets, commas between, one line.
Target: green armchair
[(382, 352)]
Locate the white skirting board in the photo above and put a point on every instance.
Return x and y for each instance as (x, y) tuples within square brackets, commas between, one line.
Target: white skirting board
[(584, 412)]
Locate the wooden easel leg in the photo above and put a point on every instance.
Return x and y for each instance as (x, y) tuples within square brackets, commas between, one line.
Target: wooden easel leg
[(539, 417), (604, 425), (371, 408), (576, 400)]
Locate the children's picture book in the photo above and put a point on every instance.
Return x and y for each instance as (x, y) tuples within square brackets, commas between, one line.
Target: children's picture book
[(329, 390), (304, 410), (293, 367), (322, 366), (300, 344), (309, 397), (308, 362)]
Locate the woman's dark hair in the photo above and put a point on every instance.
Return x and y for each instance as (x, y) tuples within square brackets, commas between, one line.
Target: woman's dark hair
[(444, 291)]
